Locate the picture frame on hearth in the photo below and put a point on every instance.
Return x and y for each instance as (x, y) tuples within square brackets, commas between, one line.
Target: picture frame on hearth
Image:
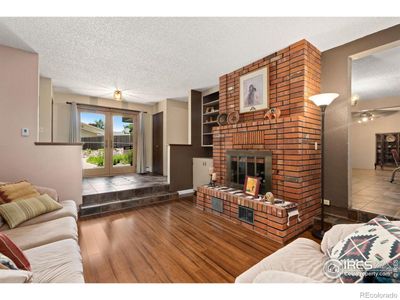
[(251, 186), (254, 91)]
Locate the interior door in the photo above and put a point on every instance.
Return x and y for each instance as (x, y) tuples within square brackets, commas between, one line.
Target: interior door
[(94, 139), (158, 143), (123, 143)]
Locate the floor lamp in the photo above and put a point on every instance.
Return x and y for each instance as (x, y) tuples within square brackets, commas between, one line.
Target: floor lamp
[(322, 100)]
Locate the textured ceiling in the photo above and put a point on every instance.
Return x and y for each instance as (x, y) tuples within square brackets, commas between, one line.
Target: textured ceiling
[(377, 75), (157, 58)]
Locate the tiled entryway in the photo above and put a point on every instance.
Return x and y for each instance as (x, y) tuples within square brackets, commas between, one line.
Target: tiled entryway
[(98, 185), (373, 192)]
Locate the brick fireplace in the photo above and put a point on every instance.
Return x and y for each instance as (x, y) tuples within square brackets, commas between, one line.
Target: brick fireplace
[(294, 75)]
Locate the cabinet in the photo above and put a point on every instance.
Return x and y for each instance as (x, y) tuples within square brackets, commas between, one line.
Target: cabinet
[(209, 114), (201, 168), (385, 143)]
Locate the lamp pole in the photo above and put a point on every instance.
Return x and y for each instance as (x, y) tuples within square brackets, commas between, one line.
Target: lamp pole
[(322, 100), (320, 233)]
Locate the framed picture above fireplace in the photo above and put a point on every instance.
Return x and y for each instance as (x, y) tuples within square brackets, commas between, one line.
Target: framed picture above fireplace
[(254, 91)]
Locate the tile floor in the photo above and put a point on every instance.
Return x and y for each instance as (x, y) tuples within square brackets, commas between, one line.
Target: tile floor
[(97, 185), (373, 192)]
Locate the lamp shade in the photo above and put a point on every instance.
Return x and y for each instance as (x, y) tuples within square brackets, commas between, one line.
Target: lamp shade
[(324, 99)]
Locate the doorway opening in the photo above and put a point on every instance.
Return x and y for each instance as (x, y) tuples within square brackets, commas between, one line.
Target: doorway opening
[(109, 140)]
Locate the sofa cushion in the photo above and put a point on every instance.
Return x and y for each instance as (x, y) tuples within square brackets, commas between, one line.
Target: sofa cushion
[(68, 210), (12, 251), (17, 190), (17, 212), (57, 262), (15, 276), (373, 245), (281, 277), (35, 235), (302, 257)]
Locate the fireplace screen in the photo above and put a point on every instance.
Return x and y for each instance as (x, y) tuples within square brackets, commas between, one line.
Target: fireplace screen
[(251, 163)]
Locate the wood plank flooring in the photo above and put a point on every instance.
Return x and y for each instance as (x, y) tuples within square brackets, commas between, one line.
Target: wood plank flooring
[(171, 242)]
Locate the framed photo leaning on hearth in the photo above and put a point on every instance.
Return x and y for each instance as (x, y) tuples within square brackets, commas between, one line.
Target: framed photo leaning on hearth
[(254, 91), (252, 186)]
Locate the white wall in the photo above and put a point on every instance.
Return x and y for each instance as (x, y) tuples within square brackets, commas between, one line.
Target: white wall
[(58, 167), (363, 139), (62, 116), (45, 98)]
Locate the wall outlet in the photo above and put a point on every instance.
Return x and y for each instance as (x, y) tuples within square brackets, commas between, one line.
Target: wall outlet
[(327, 202), (25, 132), (316, 146)]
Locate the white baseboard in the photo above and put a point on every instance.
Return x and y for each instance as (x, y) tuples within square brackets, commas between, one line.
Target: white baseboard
[(186, 192)]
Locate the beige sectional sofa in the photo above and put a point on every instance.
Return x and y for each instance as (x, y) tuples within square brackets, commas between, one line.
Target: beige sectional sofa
[(301, 261), (50, 243)]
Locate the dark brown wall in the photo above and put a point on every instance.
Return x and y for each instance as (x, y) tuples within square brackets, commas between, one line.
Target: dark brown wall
[(335, 77), (181, 156)]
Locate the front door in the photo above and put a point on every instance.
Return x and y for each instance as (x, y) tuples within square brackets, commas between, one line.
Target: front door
[(109, 142)]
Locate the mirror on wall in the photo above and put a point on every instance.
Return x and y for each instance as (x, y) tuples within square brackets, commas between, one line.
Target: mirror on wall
[(375, 132)]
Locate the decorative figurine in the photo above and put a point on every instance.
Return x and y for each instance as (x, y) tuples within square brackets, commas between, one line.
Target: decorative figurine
[(269, 197), (273, 113)]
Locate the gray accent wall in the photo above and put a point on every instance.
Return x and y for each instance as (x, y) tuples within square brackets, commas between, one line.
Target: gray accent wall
[(335, 77)]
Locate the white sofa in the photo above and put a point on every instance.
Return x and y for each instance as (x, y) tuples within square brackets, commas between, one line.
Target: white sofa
[(300, 261), (50, 242)]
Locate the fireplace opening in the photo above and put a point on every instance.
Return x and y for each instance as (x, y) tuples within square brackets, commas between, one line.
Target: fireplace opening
[(242, 163)]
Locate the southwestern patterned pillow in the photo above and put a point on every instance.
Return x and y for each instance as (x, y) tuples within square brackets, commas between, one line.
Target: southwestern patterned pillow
[(373, 246), (7, 263)]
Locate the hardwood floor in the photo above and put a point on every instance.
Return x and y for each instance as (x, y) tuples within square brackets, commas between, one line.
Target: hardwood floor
[(171, 242)]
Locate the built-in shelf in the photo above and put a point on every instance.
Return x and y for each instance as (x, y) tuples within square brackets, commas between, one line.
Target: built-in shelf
[(210, 101), (215, 112), (215, 102), (210, 123)]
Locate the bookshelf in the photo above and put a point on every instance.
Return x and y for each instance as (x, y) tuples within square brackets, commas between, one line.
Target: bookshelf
[(209, 114)]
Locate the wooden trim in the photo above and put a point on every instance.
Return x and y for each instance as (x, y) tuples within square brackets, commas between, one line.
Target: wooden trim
[(98, 107), (57, 144)]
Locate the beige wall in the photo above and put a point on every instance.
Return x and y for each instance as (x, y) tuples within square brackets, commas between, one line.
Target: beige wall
[(62, 116), (363, 139), (45, 98), (58, 167)]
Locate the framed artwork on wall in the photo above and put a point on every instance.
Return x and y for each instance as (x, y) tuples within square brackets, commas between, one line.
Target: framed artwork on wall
[(254, 91), (252, 186)]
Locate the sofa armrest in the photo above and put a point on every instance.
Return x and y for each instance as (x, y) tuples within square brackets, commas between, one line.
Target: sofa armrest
[(336, 234), (49, 191)]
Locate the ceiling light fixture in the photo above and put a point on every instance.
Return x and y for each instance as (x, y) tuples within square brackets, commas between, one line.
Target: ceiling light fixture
[(118, 95), (365, 117)]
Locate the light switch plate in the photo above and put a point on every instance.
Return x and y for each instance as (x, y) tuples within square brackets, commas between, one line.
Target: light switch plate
[(25, 132)]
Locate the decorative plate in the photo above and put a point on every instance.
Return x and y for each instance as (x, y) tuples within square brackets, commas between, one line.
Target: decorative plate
[(390, 138), (233, 118), (222, 119)]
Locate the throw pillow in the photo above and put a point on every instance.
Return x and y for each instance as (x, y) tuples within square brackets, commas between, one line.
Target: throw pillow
[(13, 252), (18, 190), (17, 212), (372, 246), (7, 263)]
